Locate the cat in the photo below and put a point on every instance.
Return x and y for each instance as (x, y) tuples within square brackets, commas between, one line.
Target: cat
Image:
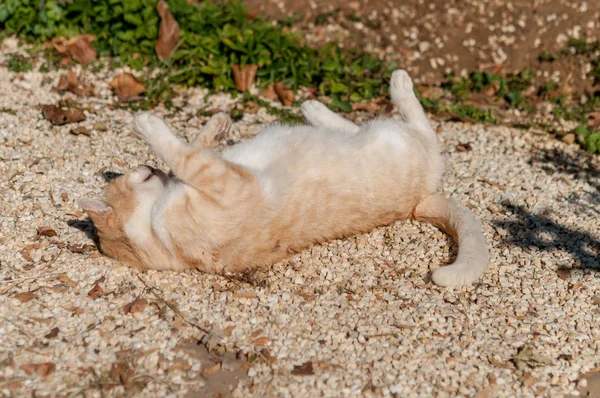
[(283, 190)]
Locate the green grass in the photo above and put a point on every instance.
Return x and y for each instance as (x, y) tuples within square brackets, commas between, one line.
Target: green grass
[(213, 38), (18, 63)]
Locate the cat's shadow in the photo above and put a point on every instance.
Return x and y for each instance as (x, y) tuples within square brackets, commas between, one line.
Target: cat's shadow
[(87, 226)]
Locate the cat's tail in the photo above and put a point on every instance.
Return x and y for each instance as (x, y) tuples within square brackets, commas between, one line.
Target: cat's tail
[(458, 222)]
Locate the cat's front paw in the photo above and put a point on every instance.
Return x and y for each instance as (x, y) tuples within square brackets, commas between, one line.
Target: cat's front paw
[(401, 85), (149, 125), (220, 125)]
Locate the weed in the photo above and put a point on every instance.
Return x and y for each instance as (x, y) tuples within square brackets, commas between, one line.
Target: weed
[(18, 63)]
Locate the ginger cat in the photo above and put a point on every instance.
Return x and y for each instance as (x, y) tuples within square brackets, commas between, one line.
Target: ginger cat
[(285, 189)]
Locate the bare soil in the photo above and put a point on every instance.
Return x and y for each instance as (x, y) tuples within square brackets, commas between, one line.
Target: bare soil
[(433, 38)]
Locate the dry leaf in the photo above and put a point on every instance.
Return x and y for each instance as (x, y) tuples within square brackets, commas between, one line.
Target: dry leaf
[(121, 372), (251, 107), (244, 77), (58, 116), (564, 274), (245, 294), (270, 93), (41, 320), (257, 333), (466, 147), (306, 369), (52, 334), (285, 94), (46, 231), (526, 357), (80, 48), (569, 138), (127, 87), (41, 369), (211, 370), (168, 32), (594, 119), (25, 296), (97, 289), (80, 249), (183, 366), (70, 83), (228, 331), (74, 213), (270, 358), (81, 130), (497, 363), (73, 309), (261, 341), (528, 380), (138, 305)]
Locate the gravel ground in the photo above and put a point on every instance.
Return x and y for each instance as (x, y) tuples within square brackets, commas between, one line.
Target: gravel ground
[(347, 318)]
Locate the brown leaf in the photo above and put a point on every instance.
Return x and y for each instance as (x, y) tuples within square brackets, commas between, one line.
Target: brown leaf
[(499, 364), (528, 380), (306, 369), (244, 77), (81, 130), (80, 249), (58, 116), (41, 320), (270, 93), (228, 331), (73, 309), (245, 294), (183, 366), (594, 119), (285, 94), (70, 83), (41, 369), (121, 372), (138, 305), (211, 370), (564, 274), (127, 87), (168, 32), (251, 107), (270, 358), (569, 138), (52, 334), (80, 48), (46, 231), (466, 147), (97, 290), (261, 341), (25, 296)]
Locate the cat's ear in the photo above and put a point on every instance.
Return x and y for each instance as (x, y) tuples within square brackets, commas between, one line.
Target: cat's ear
[(95, 209)]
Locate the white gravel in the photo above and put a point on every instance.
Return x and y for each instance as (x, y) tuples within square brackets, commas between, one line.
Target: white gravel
[(362, 310)]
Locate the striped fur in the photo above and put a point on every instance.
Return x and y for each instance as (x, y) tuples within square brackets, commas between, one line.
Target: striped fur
[(282, 191)]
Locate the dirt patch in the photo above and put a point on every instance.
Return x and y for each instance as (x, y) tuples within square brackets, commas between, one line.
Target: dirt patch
[(431, 39)]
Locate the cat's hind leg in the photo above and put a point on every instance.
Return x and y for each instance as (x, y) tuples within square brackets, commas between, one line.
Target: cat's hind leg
[(318, 115), (403, 96), (214, 130)]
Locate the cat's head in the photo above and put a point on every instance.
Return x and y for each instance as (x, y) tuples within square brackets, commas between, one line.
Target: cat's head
[(127, 197)]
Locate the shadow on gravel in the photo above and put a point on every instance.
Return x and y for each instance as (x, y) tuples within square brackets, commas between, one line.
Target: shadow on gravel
[(582, 166), (86, 226), (527, 230)]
